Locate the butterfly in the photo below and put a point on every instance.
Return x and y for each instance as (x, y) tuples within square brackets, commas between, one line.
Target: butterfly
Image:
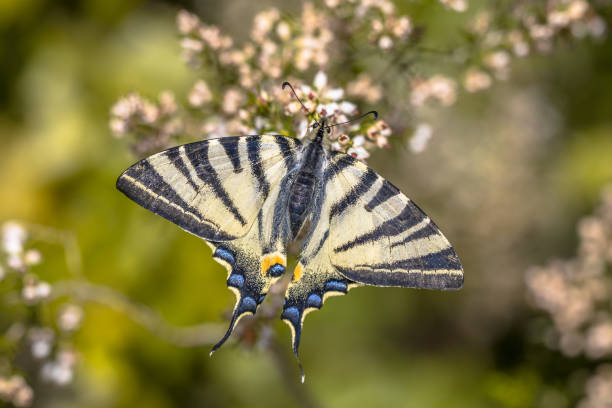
[(248, 197)]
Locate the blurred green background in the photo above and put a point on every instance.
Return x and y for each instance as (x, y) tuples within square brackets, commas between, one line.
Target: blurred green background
[(507, 176)]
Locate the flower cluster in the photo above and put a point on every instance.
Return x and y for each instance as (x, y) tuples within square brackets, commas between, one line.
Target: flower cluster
[(377, 20), (530, 27), (576, 292), (48, 342), (599, 389), (151, 124), (16, 391), (456, 5), (239, 92)]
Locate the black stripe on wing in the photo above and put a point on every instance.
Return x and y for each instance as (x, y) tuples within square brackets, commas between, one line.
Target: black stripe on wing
[(254, 155), (410, 216), (146, 187), (230, 145), (427, 231), (439, 270), (386, 191), (198, 156), (175, 157), (366, 182), (287, 147)]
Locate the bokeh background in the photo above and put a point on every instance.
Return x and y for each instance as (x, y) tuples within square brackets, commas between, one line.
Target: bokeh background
[(509, 175)]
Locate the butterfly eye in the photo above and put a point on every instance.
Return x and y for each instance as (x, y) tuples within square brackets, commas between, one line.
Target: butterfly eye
[(328, 129), (315, 125)]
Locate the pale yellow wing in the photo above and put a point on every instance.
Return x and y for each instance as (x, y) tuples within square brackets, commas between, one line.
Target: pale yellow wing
[(378, 236), (213, 188)]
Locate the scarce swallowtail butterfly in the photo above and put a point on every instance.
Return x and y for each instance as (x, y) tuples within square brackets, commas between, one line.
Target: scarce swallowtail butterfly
[(248, 197)]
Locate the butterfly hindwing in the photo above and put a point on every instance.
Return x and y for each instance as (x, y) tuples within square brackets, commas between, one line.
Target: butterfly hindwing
[(214, 188), (257, 260)]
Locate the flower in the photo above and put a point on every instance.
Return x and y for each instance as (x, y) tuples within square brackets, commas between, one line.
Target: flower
[(438, 87), (476, 80), (232, 100), (70, 317), (186, 22), (420, 138), (16, 391), (13, 237), (200, 94), (455, 5)]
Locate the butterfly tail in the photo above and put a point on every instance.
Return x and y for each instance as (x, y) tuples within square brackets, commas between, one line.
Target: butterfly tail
[(245, 305)]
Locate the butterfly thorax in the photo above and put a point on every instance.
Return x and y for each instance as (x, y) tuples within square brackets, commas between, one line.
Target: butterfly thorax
[(305, 183)]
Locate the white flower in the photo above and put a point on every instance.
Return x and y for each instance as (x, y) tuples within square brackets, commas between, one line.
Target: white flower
[(328, 109), (320, 80), (283, 31), (70, 317), (358, 141), (420, 138), (118, 126), (15, 262), (200, 94), (232, 100), (186, 22), (32, 257), (302, 129), (190, 44), (476, 80), (334, 94), (385, 42), (13, 237), (359, 153), (348, 108), (456, 5)]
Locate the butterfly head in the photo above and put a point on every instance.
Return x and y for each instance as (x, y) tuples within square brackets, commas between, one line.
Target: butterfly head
[(321, 125)]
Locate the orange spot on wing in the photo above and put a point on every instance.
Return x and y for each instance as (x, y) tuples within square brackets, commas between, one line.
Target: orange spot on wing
[(298, 272), (271, 259)]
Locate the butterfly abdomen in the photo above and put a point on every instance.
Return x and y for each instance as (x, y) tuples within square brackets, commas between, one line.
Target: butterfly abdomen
[(299, 200), (304, 186)]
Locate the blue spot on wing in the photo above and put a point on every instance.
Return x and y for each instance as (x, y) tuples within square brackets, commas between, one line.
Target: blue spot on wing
[(336, 286), (248, 304), (276, 270), (314, 300), (236, 280), (225, 255), (292, 314)]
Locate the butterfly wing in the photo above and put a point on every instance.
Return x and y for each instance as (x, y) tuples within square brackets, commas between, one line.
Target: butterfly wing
[(365, 231), (213, 188), (217, 189), (391, 242)]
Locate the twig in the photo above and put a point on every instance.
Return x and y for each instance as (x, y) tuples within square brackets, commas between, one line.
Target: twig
[(188, 336)]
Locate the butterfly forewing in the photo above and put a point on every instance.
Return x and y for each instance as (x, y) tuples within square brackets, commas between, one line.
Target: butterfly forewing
[(214, 188), (390, 242)]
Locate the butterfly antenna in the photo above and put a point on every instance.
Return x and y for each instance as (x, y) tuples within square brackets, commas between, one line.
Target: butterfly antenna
[(374, 113), (296, 97)]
